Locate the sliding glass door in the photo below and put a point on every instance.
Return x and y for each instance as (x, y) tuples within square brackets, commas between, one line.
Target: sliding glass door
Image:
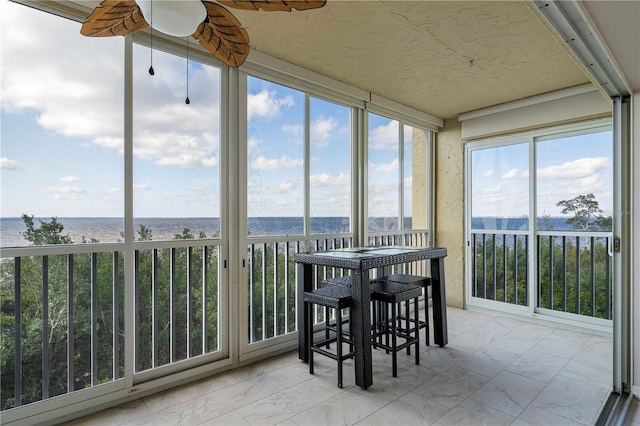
[(539, 222)]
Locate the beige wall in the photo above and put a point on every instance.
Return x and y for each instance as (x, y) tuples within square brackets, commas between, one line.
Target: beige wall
[(449, 207), (420, 182)]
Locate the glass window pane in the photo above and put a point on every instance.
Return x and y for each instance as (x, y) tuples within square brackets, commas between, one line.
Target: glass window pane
[(275, 159), (575, 182), (500, 188), (176, 147), (383, 173), (330, 179), (62, 129)]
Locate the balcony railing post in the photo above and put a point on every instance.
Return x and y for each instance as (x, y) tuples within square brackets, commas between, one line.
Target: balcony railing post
[(551, 271), (593, 276), (484, 266), (45, 327), (155, 320), (504, 267), (205, 297), (173, 302), (578, 275), (17, 314), (115, 305), (264, 291), (94, 318), (564, 273), (190, 312), (608, 283), (70, 328), (515, 269), (539, 271)]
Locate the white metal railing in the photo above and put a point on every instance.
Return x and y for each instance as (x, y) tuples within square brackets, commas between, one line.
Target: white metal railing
[(573, 270), (272, 275), (63, 306), (63, 313)]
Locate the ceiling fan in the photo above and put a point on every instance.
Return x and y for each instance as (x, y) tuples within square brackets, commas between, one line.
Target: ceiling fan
[(215, 28)]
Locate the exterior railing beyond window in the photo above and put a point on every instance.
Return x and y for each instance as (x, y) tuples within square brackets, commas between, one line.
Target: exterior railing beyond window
[(573, 270), (63, 314), (272, 275)]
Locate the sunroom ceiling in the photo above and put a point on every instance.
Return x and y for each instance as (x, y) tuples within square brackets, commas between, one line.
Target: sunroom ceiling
[(440, 57)]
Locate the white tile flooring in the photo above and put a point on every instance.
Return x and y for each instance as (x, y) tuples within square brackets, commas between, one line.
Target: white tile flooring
[(495, 370)]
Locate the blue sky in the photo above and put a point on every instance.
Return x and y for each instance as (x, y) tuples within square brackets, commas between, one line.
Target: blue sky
[(62, 136), (566, 166), (62, 139)]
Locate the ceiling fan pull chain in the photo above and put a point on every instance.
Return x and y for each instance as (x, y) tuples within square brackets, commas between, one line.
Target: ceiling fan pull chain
[(151, 71), (187, 101)]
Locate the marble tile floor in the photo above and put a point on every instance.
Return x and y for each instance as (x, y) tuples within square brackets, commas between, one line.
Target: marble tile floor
[(494, 371)]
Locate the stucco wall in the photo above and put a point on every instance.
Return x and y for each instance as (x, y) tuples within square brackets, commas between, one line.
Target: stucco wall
[(449, 207)]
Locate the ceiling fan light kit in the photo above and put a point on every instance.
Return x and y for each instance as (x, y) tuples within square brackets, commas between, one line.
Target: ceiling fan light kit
[(178, 18), (215, 28)]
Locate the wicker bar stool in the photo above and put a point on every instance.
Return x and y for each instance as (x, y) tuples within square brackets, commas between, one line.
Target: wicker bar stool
[(425, 282), (337, 298), (387, 295), (344, 280)]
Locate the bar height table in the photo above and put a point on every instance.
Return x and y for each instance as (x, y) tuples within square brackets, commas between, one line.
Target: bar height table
[(360, 260)]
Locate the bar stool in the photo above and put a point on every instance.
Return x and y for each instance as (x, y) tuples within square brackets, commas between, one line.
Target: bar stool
[(425, 282), (344, 280), (387, 295), (337, 298)]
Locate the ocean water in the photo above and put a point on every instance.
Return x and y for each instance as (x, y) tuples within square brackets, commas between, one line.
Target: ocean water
[(111, 229), (107, 229)]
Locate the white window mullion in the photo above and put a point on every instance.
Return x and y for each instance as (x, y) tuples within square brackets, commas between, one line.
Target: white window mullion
[(362, 168), (230, 177), (129, 252), (401, 177), (533, 246), (238, 224), (307, 167)]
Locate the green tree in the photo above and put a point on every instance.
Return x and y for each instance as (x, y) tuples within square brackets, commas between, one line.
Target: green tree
[(587, 214), (46, 233)]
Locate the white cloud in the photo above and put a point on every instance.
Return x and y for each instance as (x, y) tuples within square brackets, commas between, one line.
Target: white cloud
[(140, 186), (177, 149), (322, 130), (66, 189), (293, 129), (325, 179), (8, 164), (385, 168), (266, 104), (488, 173), (82, 93), (384, 137), (252, 144), (284, 162), (579, 168), (111, 142), (513, 173), (287, 185), (69, 179)]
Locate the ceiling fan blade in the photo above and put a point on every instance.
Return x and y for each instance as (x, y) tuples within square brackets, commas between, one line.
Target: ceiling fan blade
[(274, 5), (114, 18), (222, 35)]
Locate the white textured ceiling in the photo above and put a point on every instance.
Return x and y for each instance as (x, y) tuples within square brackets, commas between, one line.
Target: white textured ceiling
[(440, 57)]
